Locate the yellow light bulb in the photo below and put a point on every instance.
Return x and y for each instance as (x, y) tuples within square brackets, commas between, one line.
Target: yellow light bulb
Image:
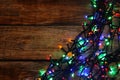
[(60, 46), (69, 54), (70, 40)]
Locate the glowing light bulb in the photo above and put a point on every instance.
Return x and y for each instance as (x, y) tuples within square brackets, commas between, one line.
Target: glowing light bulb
[(63, 55), (69, 54), (110, 4), (50, 72), (102, 55), (60, 46), (119, 65), (94, 6), (101, 37), (113, 71), (41, 72), (85, 72), (57, 64), (107, 43), (70, 40), (85, 23), (109, 18), (71, 69), (80, 69), (70, 62), (72, 75), (51, 79), (86, 16), (90, 18)]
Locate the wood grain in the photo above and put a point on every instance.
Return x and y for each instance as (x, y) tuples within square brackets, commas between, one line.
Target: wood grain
[(28, 42), (21, 70), (43, 12), (25, 36), (24, 70)]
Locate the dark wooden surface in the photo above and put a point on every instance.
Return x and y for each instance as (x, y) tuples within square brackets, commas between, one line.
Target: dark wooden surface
[(31, 30), (21, 70), (31, 42), (43, 12), (25, 49)]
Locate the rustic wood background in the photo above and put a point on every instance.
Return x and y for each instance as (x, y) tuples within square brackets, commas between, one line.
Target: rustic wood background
[(31, 30)]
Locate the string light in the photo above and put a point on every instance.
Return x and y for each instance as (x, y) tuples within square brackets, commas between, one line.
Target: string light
[(90, 55)]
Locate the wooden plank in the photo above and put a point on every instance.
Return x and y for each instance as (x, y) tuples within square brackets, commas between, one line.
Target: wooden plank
[(43, 12), (24, 70), (21, 70), (29, 42)]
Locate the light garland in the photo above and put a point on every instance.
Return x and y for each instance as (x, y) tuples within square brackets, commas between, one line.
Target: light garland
[(91, 56)]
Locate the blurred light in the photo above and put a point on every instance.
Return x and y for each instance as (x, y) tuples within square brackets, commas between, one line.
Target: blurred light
[(113, 71), (69, 54), (70, 62), (41, 72), (72, 75), (94, 6), (85, 72), (50, 72), (51, 79), (60, 46), (101, 37), (102, 55), (85, 23), (118, 65), (63, 55), (110, 4), (109, 18), (57, 64), (70, 40), (80, 70)]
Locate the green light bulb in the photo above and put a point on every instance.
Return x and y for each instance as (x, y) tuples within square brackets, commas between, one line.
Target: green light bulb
[(94, 6), (70, 62), (94, 28), (113, 71), (85, 23), (110, 4), (109, 18), (84, 48), (93, 1), (41, 72), (81, 68), (90, 18), (72, 75), (63, 55), (101, 55), (51, 79), (106, 11), (57, 64), (107, 43), (118, 65), (81, 42), (106, 40), (101, 63)]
